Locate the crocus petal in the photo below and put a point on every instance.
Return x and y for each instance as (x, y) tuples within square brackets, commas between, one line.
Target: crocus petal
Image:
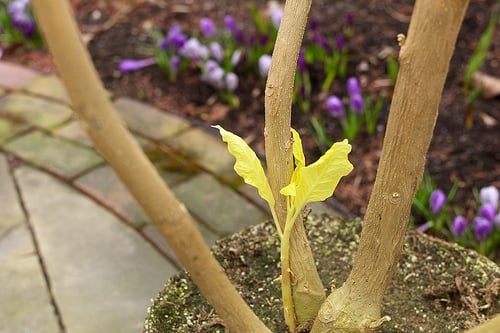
[(353, 86), (488, 211), (128, 65), (482, 228), (489, 195), (459, 226), (335, 107), (231, 81), (437, 201), (264, 65), (357, 103), (207, 27)]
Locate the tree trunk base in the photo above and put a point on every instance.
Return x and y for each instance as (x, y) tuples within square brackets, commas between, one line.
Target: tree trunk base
[(438, 287)]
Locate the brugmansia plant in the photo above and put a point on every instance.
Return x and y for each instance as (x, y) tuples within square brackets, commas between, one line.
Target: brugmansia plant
[(354, 307)]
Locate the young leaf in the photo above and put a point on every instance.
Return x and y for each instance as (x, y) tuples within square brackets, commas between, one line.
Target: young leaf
[(247, 164), (316, 182), (298, 154)]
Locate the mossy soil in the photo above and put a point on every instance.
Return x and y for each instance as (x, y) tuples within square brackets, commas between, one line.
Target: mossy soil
[(438, 287)]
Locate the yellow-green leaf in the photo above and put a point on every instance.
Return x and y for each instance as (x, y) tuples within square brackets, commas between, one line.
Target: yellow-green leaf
[(298, 153), (247, 164), (317, 181)]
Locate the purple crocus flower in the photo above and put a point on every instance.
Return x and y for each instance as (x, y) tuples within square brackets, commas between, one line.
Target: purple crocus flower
[(175, 38), (207, 27), (349, 20), (235, 58), (340, 42), (264, 65), (231, 81), (230, 24), (459, 225), (489, 195), (437, 201), (194, 50), (488, 211), (213, 74), (276, 13), (482, 228), (216, 51), (353, 86), (496, 220), (335, 107), (357, 103), (127, 65), (301, 61), (20, 17)]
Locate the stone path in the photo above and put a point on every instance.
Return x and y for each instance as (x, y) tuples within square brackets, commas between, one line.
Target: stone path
[(77, 253)]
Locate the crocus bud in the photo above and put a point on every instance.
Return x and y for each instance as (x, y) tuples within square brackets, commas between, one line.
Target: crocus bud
[(340, 41), (353, 86), (489, 195), (207, 27), (235, 58), (459, 225), (357, 103), (482, 228), (301, 61), (216, 51), (230, 24), (231, 81), (335, 106), (128, 65), (276, 13), (175, 38), (488, 211), (264, 65), (437, 201), (194, 50)]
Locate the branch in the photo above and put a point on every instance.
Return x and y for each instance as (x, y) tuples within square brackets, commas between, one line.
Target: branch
[(424, 61), (307, 289), (97, 116)]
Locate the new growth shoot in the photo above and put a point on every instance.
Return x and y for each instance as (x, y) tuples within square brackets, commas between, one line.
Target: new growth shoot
[(311, 183)]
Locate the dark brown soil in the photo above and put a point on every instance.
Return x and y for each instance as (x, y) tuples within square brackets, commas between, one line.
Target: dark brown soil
[(454, 290), (117, 29)]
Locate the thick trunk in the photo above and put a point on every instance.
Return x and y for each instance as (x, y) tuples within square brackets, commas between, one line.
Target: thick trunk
[(424, 60)]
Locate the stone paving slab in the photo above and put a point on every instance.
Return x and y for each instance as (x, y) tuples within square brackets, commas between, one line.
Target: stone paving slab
[(149, 121), (22, 285), (26, 306), (207, 150), (35, 110), (73, 131), (154, 234), (15, 76), (104, 184), (11, 213), (102, 273), (50, 86), (220, 208), (10, 127), (57, 155)]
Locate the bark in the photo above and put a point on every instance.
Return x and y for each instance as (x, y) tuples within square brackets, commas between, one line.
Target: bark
[(424, 61), (97, 116), (307, 289)]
